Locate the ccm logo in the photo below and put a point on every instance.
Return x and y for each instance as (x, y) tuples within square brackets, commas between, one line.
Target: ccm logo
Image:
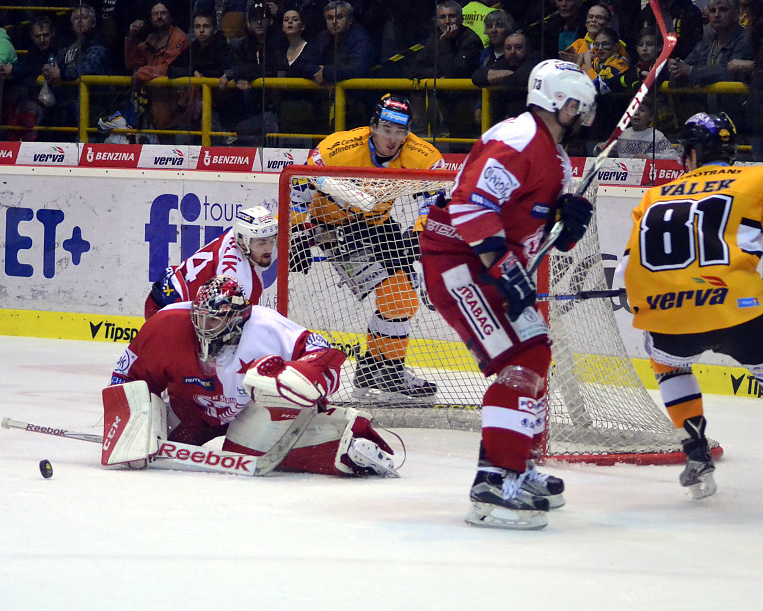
[(112, 432), (234, 463)]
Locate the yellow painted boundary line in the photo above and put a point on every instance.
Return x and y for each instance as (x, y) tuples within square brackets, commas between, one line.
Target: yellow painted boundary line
[(714, 379)]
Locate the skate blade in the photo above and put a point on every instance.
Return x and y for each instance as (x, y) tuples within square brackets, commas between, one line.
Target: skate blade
[(704, 488), (486, 515), (380, 396)]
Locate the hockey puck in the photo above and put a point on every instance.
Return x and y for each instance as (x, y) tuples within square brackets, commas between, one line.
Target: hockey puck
[(46, 469)]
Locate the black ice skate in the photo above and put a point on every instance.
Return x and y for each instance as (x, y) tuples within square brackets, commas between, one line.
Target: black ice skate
[(499, 501), (697, 476), (387, 379), (543, 485)]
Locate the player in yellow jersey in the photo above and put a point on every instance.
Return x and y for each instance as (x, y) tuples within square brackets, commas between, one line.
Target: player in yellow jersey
[(692, 280), (353, 227)]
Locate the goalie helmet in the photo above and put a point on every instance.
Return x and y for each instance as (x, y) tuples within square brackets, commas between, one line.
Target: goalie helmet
[(251, 224), (218, 313), (712, 136), (554, 84), (394, 109)]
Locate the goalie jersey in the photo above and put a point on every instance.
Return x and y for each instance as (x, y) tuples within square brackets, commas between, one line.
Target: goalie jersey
[(352, 148), (694, 250)]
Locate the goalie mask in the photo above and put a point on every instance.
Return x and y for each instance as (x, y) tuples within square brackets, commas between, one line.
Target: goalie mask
[(556, 85), (256, 231), (713, 137), (218, 314)]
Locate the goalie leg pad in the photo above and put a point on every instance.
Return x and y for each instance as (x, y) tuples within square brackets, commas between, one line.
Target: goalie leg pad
[(133, 422), (322, 448)]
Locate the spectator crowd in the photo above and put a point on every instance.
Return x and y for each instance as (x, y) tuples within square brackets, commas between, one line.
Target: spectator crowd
[(43, 54)]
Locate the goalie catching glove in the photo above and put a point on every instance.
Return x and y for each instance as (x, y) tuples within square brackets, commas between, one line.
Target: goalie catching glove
[(575, 211), (303, 382), (510, 277)]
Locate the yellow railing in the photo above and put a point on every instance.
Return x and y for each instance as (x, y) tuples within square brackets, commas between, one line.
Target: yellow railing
[(207, 85)]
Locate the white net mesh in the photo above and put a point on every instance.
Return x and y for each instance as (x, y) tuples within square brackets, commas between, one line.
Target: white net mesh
[(599, 410)]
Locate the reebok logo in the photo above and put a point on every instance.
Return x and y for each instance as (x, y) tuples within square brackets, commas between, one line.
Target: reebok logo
[(235, 463)]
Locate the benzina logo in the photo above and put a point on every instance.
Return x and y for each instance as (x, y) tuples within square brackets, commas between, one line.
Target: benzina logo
[(235, 463), (113, 332)]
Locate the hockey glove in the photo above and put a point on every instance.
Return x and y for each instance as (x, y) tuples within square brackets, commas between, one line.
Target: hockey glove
[(509, 276), (300, 257), (301, 385), (575, 212)]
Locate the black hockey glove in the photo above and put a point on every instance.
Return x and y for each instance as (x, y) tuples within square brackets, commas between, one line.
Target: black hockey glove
[(300, 257), (509, 276), (575, 212)]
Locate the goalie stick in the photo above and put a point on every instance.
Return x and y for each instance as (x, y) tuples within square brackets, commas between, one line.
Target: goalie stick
[(669, 41), (184, 457)]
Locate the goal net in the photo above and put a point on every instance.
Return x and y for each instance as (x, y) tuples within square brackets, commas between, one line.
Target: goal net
[(599, 411)]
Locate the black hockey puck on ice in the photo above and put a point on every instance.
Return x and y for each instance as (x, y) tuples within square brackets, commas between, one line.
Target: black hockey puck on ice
[(46, 469)]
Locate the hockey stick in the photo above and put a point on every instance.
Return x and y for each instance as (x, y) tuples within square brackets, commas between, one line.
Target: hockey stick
[(669, 41), (596, 294), (186, 457)]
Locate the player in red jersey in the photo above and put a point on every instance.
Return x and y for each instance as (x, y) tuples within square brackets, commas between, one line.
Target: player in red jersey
[(208, 355), (244, 251), (474, 251)]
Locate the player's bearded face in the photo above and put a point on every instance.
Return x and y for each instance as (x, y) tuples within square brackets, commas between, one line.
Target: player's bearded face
[(261, 251), (569, 117), (388, 138)]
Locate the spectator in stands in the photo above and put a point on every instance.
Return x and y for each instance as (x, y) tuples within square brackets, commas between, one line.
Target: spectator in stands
[(474, 13), (498, 25), (509, 75), (233, 19), (209, 55), (561, 29), (648, 46), (709, 62), (453, 51), (151, 59), (312, 12), (87, 54), (345, 47), (641, 140), (687, 23), (24, 106), (605, 63), (373, 16), (257, 55), (297, 112), (597, 18)]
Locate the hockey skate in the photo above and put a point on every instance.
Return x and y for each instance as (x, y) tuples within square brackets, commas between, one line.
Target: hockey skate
[(500, 501), (543, 485), (697, 476), (388, 380), (370, 458)]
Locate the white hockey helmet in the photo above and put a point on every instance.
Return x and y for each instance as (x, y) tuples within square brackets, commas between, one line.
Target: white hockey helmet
[(555, 83), (253, 223)]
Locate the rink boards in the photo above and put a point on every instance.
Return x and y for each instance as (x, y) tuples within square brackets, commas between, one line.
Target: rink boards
[(82, 246)]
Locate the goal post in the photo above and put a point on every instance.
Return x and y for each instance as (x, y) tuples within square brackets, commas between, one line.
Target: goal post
[(599, 411)]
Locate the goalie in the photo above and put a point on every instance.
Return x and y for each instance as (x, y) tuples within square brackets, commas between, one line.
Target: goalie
[(367, 246), (240, 371)]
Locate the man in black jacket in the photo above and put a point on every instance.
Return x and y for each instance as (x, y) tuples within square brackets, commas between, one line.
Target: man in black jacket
[(453, 51)]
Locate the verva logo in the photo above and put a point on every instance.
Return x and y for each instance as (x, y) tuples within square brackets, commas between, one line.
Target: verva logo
[(275, 160), (169, 157), (41, 153)]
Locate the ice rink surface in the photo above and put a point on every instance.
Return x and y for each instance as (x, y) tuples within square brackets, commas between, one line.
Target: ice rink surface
[(88, 538)]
